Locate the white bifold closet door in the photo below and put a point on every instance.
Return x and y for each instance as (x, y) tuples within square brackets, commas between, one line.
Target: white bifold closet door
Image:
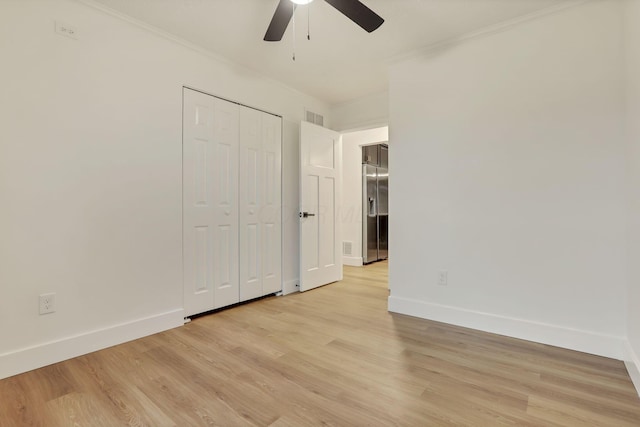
[(260, 203), (231, 203)]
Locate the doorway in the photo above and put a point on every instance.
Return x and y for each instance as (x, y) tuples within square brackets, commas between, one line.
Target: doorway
[(375, 203), (351, 212)]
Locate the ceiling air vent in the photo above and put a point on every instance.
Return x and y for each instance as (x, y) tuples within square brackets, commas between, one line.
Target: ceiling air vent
[(314, 118)]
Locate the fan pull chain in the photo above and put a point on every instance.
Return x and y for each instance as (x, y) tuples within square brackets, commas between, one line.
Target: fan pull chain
[(308, 22)]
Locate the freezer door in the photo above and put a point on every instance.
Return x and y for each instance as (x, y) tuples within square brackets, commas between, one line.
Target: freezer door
[(383, 191), (369, 214)]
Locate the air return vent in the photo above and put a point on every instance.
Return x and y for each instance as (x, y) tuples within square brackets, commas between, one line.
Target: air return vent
[(314, 118), (347, 248)]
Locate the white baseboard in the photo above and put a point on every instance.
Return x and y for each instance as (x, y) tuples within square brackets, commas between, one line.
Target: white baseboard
[(632, 362), (290, 286), (559, 336), (352, 261), (37, 356)]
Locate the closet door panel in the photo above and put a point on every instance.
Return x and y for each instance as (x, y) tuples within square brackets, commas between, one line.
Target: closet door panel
[(250, 196), (225, 214), (198, 201), (271, 208)]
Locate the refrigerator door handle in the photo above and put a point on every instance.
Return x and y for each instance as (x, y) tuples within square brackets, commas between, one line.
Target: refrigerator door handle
[(372, 206)]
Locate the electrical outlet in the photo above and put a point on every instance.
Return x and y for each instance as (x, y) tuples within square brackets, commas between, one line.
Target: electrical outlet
[(443, 278), (66, 30), (47, 303)]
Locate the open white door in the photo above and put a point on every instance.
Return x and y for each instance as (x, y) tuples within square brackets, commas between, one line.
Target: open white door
[(320, 185)]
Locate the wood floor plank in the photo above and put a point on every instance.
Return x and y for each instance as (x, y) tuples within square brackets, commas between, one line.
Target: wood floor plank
[(332, 356)]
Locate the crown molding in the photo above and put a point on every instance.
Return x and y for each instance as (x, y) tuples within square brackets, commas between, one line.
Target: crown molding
[(193, 46), (485, 31)]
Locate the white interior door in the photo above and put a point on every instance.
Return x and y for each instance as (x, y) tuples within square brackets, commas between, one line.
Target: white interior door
[(210, 206), (320, 184)]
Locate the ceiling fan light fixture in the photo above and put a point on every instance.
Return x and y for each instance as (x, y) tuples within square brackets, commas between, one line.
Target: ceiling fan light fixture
[(355, 10)]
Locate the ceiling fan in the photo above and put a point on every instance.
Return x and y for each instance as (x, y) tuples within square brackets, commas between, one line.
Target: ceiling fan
[(352, 9)]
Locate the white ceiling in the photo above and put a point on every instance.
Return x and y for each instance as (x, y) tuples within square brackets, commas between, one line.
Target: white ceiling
[(342, 61)]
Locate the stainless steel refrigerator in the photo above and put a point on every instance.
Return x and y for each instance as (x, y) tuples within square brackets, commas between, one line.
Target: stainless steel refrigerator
[(375, 204)]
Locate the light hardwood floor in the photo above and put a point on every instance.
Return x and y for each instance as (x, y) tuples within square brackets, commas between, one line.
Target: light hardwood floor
[(331, 356)]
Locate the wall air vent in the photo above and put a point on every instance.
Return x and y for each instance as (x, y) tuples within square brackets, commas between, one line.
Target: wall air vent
[(314, 118), (347, 247)]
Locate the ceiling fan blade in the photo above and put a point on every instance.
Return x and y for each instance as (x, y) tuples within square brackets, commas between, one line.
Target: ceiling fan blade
[(280, 21), (358, 13)]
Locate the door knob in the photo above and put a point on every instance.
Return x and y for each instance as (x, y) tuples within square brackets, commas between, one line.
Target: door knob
[(306, 214)]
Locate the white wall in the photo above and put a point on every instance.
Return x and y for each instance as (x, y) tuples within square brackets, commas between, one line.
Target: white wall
[(363, 113), (512, 180), (632, 90), (90, 176), (351, 205)]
